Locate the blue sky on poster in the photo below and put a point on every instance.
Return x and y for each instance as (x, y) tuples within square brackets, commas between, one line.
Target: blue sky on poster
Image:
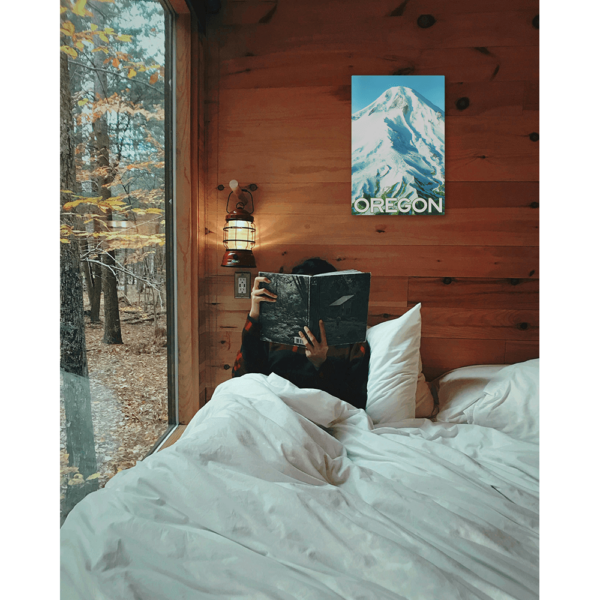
[(367, 88)]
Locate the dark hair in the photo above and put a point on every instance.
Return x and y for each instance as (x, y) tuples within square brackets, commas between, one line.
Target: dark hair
[(313, 266)]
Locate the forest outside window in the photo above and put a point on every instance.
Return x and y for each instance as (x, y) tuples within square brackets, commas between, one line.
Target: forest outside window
[(118, 325)]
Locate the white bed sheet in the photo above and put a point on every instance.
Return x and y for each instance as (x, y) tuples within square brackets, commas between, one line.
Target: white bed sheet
[(257, 500)]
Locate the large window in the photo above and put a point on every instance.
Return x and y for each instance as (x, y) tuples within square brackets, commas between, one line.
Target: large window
[(118, 376)]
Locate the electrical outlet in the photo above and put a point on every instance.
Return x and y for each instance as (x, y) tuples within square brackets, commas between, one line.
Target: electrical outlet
[(241, 282)]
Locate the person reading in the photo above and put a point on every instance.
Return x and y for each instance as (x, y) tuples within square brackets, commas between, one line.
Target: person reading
[(341, 371)]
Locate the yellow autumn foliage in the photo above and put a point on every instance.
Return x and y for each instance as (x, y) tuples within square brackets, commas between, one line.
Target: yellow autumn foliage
[(79, 7), (68, 50)]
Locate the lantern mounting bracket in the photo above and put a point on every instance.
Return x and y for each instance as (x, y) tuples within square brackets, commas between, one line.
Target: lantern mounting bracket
[(252, 187), (241, 203)]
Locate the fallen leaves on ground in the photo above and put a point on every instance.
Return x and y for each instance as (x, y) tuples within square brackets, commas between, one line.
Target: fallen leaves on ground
[(129, 398)]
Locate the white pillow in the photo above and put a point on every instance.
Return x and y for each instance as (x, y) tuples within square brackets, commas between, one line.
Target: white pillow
[(394, 368), (460, 388), (424, 404), (511, 402)]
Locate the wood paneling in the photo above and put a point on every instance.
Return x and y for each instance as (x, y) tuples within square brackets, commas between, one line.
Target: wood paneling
[(249, 12), (487, 99), (474, 293), (312, 143), (321, 199), (193, 327), (318, 66), (521, 351), (308, 68), (486, 324), (278, 114), (180, 7), (343, 31), (532, 96), (187, 211), (458, 227), (442, 261), (492, 100), (440, 355), (468, 323)]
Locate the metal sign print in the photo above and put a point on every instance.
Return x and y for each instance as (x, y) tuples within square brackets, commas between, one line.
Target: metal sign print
[(398, 145)]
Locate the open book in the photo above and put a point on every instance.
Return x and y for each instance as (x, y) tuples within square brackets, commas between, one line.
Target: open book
[(340, 299)]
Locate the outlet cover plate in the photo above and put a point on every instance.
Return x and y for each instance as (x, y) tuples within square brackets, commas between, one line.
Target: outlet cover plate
[(241, 284)]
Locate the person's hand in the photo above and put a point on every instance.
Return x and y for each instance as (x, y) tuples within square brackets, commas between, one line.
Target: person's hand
[(316, 351), (259, 295)]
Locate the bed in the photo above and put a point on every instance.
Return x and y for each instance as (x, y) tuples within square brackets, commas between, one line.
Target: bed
[(285, 493)]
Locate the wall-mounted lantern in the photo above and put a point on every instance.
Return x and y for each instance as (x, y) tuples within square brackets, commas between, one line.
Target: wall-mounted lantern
[(239, 233)]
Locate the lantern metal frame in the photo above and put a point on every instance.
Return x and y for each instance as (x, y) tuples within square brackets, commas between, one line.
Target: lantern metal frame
[(235, 257)]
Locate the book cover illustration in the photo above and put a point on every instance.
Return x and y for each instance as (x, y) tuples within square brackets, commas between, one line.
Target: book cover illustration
[(340, 299), (398, 145)]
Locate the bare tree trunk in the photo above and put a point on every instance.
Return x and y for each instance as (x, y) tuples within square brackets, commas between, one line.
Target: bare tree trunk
[(93, 282), (112, 323), (95, 292), (125, 276), (75, 385)]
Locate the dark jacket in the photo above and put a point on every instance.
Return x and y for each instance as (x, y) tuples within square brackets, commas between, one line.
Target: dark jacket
[(343, 374)]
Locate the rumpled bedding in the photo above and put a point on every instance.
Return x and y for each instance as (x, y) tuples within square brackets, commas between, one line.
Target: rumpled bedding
[(276, 492)]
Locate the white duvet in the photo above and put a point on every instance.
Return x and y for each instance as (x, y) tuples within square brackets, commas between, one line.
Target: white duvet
[(277, 492)]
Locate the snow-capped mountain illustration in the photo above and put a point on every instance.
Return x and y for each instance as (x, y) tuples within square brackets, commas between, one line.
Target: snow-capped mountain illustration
[(398, 147)]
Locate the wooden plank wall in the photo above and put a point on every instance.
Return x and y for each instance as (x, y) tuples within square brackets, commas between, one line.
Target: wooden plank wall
[(200, 187), (278, 115), (190, 189)]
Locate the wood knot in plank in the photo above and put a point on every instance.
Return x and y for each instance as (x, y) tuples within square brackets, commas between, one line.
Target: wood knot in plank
[(398, 12), (447, 280), (534, 137), (535, 205), (536, 22), (425, 21), (515, 281), (523, 326), (404, 71), (267, 18), (342, 93), (462, 103)]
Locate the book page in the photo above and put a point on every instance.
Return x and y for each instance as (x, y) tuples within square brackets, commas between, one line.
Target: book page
[(281, 320), (343, 305), (338, 273)]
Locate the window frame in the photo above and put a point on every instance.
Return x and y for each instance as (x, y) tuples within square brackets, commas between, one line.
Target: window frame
[(181, 208), (171, 226)]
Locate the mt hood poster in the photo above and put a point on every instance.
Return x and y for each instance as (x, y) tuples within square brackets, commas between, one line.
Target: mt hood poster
[(398, 145)]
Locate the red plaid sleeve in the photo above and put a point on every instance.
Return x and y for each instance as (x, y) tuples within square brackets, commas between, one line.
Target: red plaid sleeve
[(252, 357)]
